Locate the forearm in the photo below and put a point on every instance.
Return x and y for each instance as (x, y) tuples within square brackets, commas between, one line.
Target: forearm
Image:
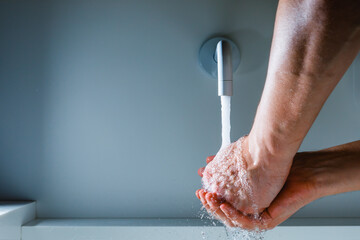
[(313, 45), (338, 169)]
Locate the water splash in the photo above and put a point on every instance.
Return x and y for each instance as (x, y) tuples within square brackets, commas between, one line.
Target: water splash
[(231, 233), (241, 234)]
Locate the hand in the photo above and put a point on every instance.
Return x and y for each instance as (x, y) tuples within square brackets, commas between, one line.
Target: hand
[(299, 189), (248, 185), (214, 204), (312, 176)]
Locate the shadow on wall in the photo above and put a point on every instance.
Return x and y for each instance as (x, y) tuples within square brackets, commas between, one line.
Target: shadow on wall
[(24, 31)]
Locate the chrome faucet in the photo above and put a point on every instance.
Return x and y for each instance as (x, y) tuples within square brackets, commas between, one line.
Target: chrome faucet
[(224, 68), (220, 57)]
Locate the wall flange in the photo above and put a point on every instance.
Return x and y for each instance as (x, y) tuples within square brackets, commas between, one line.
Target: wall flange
[(207, 55)]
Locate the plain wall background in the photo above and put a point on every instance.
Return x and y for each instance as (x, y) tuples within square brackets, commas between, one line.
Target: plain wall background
[(105, 111)]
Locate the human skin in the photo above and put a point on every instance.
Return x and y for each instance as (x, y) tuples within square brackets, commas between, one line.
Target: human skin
[(313, 175), (313, 45)]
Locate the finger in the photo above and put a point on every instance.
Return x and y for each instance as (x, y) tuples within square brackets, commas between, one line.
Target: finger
[(214, 204), (238, 218), (200, 171), (284, 206), (209, 209), (272, 223), (269, 220), (197, 194), (209, 159), (202, 194)]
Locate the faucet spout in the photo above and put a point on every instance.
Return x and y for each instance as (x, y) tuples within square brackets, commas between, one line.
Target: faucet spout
[(224, 66)]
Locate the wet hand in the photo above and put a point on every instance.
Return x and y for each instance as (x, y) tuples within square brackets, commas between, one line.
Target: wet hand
[(301, 188), (244, 182)]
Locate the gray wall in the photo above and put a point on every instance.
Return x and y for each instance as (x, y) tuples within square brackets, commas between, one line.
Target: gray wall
[(105, 112)]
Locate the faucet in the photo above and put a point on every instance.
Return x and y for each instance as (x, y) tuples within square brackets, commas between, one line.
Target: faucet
[(224, 68), (220, 57)]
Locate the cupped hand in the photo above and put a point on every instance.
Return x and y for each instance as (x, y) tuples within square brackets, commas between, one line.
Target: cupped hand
[(248, 183), (214, 204), (300, 189)]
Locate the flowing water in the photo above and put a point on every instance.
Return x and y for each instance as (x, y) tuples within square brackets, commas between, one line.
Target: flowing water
[(225, 120)]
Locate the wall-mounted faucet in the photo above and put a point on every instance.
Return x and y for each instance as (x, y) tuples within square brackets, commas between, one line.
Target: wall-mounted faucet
[(220, 57), (224, 68)]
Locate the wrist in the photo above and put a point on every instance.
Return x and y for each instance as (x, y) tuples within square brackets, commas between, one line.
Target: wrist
[(269, 149)]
